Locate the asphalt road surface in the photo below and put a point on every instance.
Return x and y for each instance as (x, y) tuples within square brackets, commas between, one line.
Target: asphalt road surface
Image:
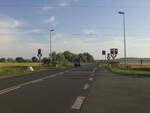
[(53, 91), (87, 89), (114, 93)]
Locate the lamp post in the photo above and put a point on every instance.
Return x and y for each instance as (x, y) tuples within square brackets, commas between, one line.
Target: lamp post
[(125, 55), (50, 54)]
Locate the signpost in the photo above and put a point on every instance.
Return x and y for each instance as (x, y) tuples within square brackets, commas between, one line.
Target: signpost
[(114, 52), (104, 53), (108, 56), (39, 55)]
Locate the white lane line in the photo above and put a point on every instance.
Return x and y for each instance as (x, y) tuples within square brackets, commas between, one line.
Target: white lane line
[(7, 90), (90, 79), (94, 69), (36, 81), (4, 91), (93, 75), (61, 73), (67, 71), (78, 103), (86, 86)]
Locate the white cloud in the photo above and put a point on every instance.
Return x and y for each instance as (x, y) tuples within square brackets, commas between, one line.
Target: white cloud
[(89, 31), (10, 23), (46, 8), (60, 4), (35, 31), (50, 20), (64, 4)]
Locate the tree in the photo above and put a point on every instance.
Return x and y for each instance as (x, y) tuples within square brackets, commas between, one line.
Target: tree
[(74, 56), (19, 59), (68, 56), (60, 58), (46, 60), (89, 57), (10, 60), (34, 59), (82, 57), (2, 59), (54, 57)]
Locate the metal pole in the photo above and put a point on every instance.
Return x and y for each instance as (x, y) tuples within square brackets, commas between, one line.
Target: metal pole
[(50, 54), (125, 55)]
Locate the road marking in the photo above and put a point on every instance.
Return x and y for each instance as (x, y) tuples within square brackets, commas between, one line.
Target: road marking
[(66, 71), (36, 81), (78, 103), (86, 86), (94, 69), (7, 90), (93, 75), (90, 79), (61, 73), (4, 91)]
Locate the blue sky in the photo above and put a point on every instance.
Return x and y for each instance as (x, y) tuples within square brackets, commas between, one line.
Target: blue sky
[(80, 26)]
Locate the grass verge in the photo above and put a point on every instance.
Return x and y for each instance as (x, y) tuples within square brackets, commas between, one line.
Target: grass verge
[(124, 71), (9, 69), (12, 69)]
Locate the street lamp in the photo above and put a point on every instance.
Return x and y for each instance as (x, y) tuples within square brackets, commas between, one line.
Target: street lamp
[(50, 54), (125, 56)]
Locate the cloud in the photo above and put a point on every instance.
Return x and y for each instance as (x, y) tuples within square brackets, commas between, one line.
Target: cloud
[(47, 8), (10, 23), (64, 4), (35, 31), (50, 20), (89, 31)]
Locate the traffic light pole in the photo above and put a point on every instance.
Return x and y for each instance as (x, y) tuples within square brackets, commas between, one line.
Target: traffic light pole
[(125, 55)]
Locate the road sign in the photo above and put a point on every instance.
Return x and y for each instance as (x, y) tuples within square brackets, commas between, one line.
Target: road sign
[(114, 52), (103, 52), (108, 56), (39, 51), (39, 54)]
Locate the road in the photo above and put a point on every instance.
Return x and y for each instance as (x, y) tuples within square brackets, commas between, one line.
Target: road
[(115, 93), (87, 89), (52, 91)]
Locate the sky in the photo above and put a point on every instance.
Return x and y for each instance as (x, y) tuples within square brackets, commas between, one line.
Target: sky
[(80, 26)]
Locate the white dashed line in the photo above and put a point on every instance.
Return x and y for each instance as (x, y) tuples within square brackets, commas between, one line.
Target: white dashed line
[(93, 75), (4, 91), (86, 86), (90, 79), (36, 81), (78, 103), (7, 90), (94, 70)]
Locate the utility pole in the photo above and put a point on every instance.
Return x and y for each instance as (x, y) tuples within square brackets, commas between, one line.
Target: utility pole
[(50, 54), (124, 28)]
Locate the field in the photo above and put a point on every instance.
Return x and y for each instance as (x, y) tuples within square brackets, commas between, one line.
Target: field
[(7, 69), (133, 68), (138, 64)]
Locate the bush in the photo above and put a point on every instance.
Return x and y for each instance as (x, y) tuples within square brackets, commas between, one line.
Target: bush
[(20, 59), (34, 59), (2, 59), (46, 60)]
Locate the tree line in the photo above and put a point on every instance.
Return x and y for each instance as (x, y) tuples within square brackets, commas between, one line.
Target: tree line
[(60, 58)]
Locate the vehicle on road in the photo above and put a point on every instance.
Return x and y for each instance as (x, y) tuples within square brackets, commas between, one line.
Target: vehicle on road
[(77, 63)]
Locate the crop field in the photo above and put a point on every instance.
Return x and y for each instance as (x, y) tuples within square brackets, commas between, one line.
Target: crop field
[(19, 68), (138, 64), (3, 65), (8, 69)]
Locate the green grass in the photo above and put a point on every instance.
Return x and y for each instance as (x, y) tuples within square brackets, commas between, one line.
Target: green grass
[(124, 71), (9, 69)]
